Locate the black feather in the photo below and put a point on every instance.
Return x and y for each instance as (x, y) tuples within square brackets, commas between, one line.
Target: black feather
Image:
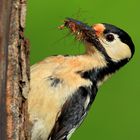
[(73, 112)]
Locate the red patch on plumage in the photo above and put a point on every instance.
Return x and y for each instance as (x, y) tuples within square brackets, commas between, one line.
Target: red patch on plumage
[(99, 29)]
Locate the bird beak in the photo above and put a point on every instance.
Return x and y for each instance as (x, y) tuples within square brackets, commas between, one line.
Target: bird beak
[(82, 31)]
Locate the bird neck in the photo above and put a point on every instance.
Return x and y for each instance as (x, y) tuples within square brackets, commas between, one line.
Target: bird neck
[(99, 75), (105, 65)]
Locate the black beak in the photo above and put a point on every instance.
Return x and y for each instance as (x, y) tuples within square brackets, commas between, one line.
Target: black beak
[(87, 33), (80, 26)]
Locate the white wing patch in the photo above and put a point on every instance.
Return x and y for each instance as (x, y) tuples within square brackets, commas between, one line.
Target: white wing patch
[(71, 132)]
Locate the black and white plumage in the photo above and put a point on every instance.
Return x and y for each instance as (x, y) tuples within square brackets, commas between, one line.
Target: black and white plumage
[(64, 87)]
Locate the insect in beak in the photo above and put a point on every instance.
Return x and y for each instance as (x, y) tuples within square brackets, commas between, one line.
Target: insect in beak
[(82, 31)]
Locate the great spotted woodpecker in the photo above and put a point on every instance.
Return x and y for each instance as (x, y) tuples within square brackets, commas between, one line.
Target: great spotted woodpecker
[(63, 88)]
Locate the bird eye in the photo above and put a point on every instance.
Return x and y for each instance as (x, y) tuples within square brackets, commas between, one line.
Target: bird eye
[(109, 37)]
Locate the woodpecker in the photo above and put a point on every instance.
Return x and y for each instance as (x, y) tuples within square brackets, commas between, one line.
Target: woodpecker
[(63, 88)]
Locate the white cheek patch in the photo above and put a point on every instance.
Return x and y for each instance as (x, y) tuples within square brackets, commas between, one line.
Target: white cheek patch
[(117, 50)]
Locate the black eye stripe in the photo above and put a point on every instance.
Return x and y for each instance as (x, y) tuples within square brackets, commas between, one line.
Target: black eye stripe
[(109, 37)]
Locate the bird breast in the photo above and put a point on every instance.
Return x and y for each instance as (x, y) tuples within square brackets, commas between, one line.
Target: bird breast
[(53, 81)]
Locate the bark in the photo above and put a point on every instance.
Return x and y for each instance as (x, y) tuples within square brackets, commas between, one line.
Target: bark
[(16, 84), (4, 29)]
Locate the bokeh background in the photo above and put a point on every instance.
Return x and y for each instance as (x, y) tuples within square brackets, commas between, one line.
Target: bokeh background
[(115, 114)]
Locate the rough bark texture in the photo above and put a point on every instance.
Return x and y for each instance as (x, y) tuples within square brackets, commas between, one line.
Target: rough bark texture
[(18, 74), (17, 84), (4, 30)]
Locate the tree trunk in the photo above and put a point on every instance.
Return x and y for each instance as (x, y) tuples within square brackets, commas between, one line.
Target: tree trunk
[(14, 71)]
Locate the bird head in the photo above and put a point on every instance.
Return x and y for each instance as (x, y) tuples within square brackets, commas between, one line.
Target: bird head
[(109, 41)]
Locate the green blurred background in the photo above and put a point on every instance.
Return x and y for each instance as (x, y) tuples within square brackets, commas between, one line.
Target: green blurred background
[(115, 114)]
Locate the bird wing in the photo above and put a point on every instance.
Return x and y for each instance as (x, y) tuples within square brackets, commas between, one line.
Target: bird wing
[(73, 113)]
